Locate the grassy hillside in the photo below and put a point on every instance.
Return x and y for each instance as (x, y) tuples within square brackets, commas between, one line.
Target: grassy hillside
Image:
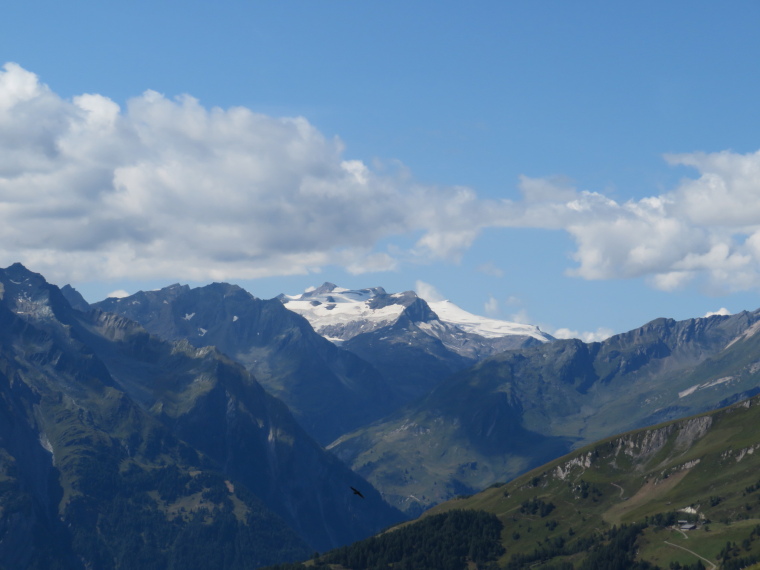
[(705, 470), (621, 502)]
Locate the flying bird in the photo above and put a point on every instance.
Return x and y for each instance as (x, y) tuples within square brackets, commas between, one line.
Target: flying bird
[(357, 492)]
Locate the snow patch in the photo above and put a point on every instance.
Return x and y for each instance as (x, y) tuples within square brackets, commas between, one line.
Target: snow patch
[(46, 445), (692, 389), (483, 326), (746, 334)]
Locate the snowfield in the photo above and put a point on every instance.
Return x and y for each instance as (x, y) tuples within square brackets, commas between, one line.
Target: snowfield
[(339, 314)]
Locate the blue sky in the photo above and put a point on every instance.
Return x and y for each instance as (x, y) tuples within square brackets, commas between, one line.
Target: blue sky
[(586, 166)]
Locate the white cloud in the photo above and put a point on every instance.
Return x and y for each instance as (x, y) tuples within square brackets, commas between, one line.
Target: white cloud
[(599, 335), (168, 188), (372, 263), (491, 307), (428, 292), (521, 317), (547, 190), (722, 312), (707, 227), (490, 269), (118, 294)]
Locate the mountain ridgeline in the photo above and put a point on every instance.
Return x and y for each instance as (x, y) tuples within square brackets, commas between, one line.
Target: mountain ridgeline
[(455, 419), (521, 408), (403, 336), (122, 450), (135, 433), (329, 390), (388, 349)]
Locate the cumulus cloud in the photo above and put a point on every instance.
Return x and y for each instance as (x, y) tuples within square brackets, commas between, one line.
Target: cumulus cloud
[(707, 227), (372, 263), (721, 312), (168, 188), (165, 187)]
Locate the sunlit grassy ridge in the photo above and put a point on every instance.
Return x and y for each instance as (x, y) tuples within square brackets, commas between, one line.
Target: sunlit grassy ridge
[(705, 469)]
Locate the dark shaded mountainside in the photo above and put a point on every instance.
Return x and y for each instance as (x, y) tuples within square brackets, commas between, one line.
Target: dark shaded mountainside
[(684, 494), (521, 408), (329, 390), (122, 450)]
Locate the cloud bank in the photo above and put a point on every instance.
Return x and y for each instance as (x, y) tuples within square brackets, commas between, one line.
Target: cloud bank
[(166, 188)]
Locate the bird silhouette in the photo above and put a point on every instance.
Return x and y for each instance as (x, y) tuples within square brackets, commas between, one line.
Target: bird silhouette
[(357, 492)]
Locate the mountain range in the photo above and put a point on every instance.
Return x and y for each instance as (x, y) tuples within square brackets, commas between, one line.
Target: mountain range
[(340, 359), (329, 390), (199, 415), (412, 342), (521, 408), (467, 412), (119, 449)]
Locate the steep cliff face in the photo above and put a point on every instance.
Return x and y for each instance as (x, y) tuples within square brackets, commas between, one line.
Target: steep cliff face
[(118, 449), (30, 491)]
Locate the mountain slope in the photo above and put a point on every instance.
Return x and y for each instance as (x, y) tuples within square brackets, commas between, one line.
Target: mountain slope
[(617, 503), (520, 408), (105, 426), (703, 469), (88, 478), (329, 390)]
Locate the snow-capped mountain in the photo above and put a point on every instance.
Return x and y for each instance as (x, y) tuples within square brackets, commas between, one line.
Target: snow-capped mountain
[(414, 345), (340, 314), (450, 313)]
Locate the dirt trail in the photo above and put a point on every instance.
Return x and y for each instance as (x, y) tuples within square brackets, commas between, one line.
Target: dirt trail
[(692, 552), (650, 491)]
